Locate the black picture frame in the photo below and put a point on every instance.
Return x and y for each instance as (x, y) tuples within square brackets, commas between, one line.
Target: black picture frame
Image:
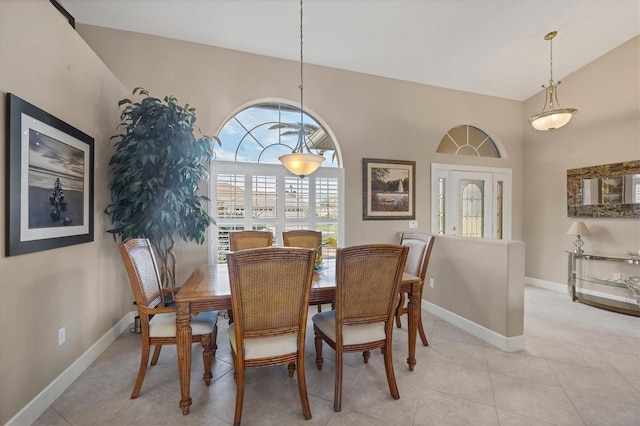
[(388, 189), (49, 181)]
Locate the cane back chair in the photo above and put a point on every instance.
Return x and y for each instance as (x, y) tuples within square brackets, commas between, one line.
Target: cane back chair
[(420, 246), (367, 283), (307, 239), (270, 290), (242, 240), (157, 321)]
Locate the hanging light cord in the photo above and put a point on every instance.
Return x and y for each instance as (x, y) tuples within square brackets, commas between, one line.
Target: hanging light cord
[(551, 61), (301, 134)]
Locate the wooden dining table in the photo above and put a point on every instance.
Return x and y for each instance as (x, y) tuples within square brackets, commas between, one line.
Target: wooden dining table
[(207, 289)]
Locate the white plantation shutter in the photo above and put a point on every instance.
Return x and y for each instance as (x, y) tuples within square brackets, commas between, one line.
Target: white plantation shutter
[(268, 197)]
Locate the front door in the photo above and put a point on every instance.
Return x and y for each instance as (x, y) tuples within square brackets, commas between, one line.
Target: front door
[(471, 201), (471, 205)]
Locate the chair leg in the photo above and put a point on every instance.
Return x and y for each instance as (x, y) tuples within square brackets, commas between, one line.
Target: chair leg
[(388, 369), (399, 310), (318, 341), (302, 387), (156, 354), (366, 355), (144, 360), (319, 307), (214, 340), (235, 361), (423, 335), (207, 358), (239, 391), (337, 396), (291, 367)]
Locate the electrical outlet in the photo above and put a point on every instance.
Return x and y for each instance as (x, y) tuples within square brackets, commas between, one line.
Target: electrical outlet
[(432, 283), (413, 224), (62, 336)]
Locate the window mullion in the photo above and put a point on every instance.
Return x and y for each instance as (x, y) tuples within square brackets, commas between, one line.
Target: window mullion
[(248, 200), (313, 182), (280, 206)]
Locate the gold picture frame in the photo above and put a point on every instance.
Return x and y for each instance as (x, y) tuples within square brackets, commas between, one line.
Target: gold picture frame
[(388, 189)]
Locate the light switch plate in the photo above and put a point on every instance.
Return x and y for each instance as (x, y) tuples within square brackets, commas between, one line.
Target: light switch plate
[(62, 336), (413, 224)]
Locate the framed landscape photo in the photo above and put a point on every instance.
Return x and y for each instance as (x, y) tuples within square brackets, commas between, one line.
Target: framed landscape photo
[(388, 189), (50, 181)]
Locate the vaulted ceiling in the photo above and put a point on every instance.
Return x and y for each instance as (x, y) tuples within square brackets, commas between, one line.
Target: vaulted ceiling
[(491, 47)]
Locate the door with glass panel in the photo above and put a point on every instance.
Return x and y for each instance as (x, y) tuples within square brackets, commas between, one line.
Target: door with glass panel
[(471, 207), (471, 202)]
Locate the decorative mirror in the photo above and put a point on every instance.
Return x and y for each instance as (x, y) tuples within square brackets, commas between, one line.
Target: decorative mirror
[(610, 190)]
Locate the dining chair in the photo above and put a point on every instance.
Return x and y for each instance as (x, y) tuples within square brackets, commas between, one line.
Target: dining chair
[(157, 321), (270, 318), (242, 240), (367, 282), (420, 246), (305, 238)]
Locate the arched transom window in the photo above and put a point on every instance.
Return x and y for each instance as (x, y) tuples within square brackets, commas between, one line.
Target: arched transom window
[(263, 132), (468, 140)]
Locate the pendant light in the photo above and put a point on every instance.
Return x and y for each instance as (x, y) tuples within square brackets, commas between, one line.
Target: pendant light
[(552, 117), (301, 161)]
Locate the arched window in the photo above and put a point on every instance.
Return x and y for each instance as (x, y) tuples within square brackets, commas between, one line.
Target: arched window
[(468, 140), (252, 190), (263, 132)]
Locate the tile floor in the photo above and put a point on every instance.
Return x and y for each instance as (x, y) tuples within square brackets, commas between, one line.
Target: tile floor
[(581, 367)]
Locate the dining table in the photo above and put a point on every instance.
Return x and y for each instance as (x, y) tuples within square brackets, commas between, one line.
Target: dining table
[(207, 289)]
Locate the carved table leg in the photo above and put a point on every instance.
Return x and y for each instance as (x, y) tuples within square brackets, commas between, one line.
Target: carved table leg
[(183, 338), (423, 335), (413, 326)]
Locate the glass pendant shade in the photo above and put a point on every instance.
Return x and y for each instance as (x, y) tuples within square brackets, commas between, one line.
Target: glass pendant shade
[(551, 118), (300, 163)]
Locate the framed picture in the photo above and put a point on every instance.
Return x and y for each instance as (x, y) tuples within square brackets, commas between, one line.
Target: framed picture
[(389, 188), (50, 181)]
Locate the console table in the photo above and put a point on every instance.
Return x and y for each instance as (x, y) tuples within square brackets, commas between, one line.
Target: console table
[(575, 277)]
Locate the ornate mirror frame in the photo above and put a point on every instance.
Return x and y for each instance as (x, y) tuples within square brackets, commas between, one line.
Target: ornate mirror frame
[(575, 178)]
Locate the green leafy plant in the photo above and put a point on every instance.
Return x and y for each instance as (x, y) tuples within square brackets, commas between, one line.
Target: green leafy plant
[(156, 170)]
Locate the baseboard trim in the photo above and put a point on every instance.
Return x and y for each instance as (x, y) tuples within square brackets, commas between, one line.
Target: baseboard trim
[(507, 344), (38, 405), (548, 285)]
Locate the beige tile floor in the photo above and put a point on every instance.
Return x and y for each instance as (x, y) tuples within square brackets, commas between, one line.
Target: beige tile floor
[(581, 367)]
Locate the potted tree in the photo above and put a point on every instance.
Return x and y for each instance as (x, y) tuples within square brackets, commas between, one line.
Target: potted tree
[(156, 170)]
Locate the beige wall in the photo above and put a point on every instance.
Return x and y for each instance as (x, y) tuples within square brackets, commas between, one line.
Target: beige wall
[(81, 287), (605, 130), (370, 116), (479, 279), (84, 288)]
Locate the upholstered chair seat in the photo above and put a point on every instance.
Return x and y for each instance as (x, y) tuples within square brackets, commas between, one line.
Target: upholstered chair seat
[(164, 325), (351, 334), (265, 347)]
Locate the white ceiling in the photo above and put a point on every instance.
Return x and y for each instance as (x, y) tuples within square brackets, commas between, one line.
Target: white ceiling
[(491, 47)]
